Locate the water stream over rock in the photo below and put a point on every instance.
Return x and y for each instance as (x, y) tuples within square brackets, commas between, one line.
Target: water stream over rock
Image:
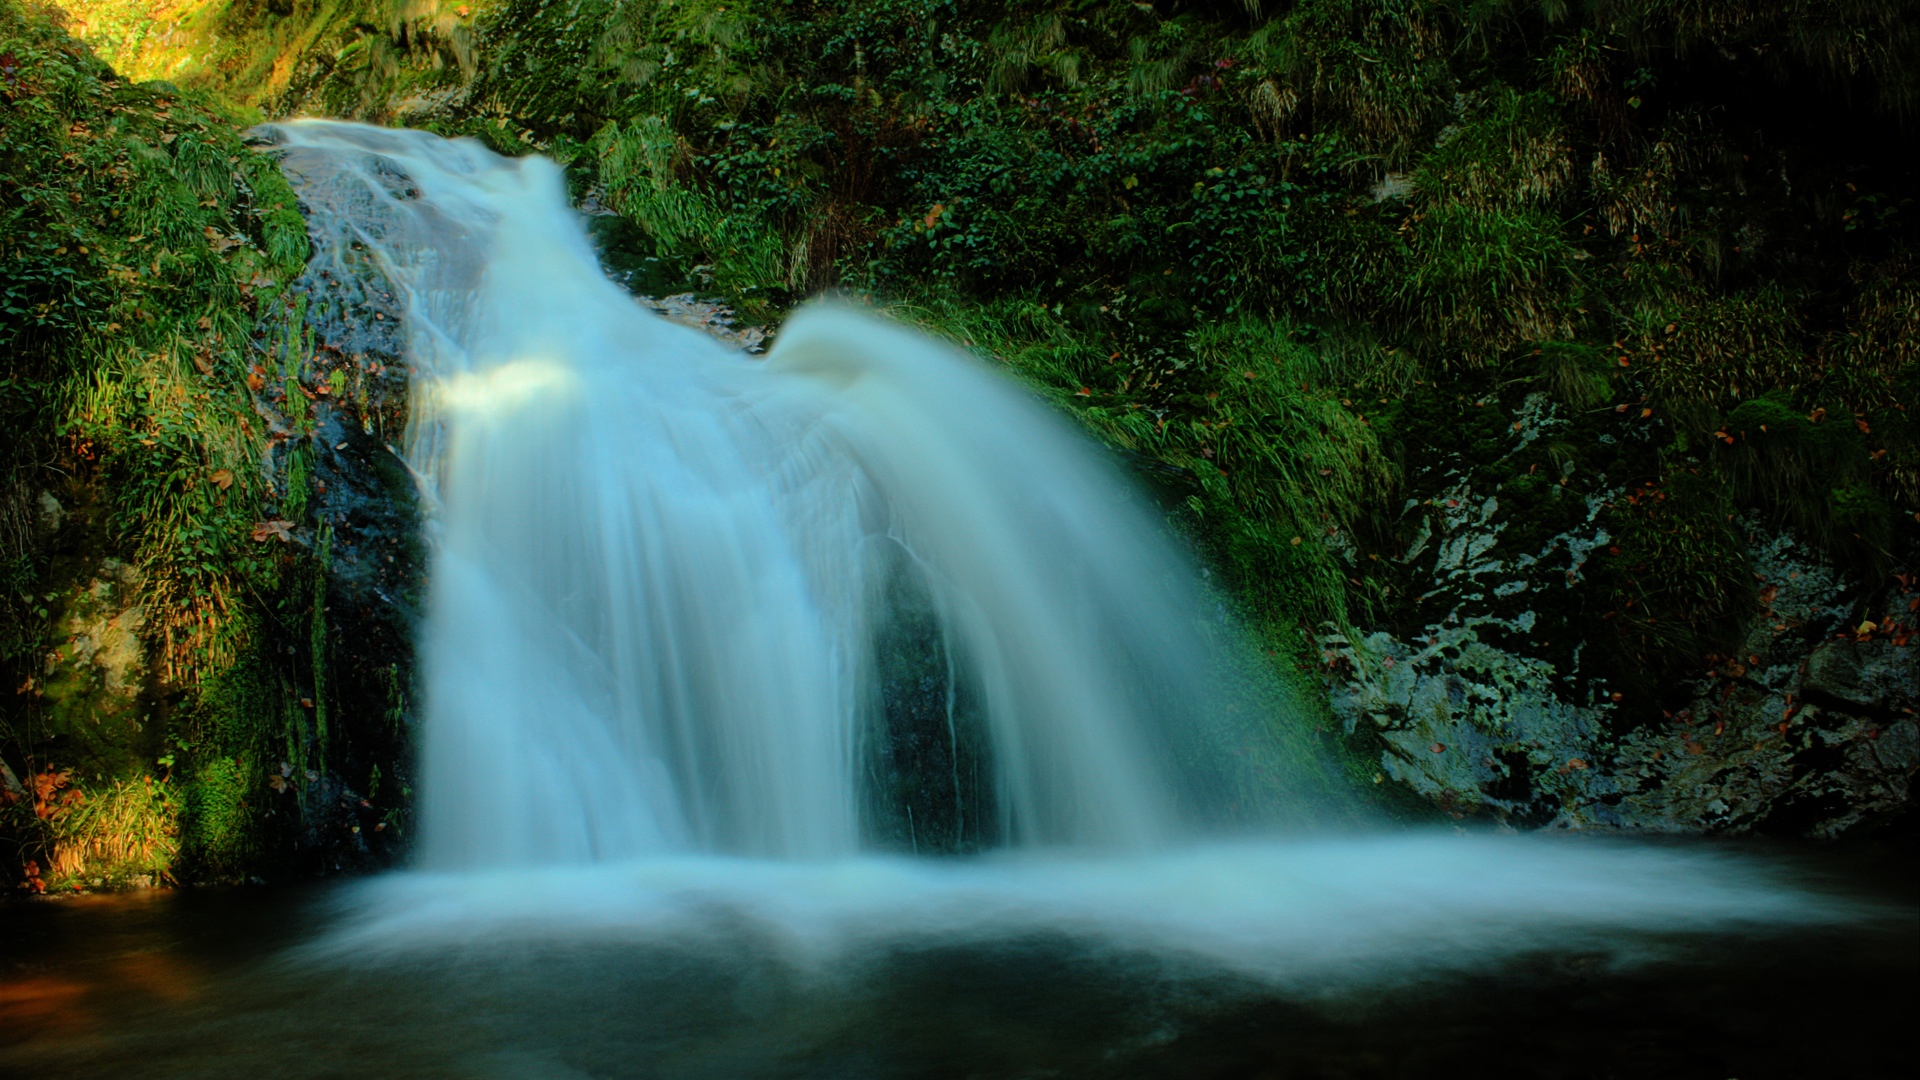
[(714, 641)]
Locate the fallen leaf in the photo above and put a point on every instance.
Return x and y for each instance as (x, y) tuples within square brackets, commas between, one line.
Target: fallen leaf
[(281, 529), (222, 478), (1438, 748)]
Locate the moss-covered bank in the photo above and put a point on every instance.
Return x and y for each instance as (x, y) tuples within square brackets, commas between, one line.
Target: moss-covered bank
[(163, 641)]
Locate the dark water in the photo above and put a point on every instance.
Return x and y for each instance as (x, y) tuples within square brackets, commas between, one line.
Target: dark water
[(212, 983)]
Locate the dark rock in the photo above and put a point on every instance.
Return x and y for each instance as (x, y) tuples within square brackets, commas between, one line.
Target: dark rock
[(1871, 676)]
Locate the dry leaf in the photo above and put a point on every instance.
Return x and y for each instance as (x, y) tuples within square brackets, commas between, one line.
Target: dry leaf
[(281, 529), (222, 478)]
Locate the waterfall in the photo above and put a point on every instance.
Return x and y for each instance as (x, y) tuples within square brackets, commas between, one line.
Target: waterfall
[(710, 637), (667, 578)]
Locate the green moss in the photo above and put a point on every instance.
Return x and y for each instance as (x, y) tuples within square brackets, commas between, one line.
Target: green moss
[(138, 237), (216, 827)]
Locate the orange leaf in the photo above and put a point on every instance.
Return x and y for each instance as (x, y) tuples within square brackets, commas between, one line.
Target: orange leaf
[(222, 478)]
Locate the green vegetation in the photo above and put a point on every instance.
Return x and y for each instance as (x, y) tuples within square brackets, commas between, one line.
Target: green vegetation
[(139, 243), (1300, 263), (1278, 252)]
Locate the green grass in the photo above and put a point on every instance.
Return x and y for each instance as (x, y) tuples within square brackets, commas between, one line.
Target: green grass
[(140, 243)]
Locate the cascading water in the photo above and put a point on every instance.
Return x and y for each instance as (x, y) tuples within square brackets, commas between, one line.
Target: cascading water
[(676, 593), (663, 571), (713, 642)]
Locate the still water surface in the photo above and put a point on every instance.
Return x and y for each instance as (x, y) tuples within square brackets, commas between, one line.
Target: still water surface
[(253, 983)]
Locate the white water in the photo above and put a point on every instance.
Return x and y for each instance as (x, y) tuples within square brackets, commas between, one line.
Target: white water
[(1303, 915), (660, 565), (658, 571)]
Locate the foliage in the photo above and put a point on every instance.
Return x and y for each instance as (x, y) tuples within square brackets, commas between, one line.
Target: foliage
[(125, 831), (138, 238), (1289, 260)]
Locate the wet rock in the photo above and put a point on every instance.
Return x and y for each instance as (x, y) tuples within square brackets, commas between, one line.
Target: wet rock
[(1869, 676), (714, 317), (1493, 703), (94, 683), (331, 386)]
